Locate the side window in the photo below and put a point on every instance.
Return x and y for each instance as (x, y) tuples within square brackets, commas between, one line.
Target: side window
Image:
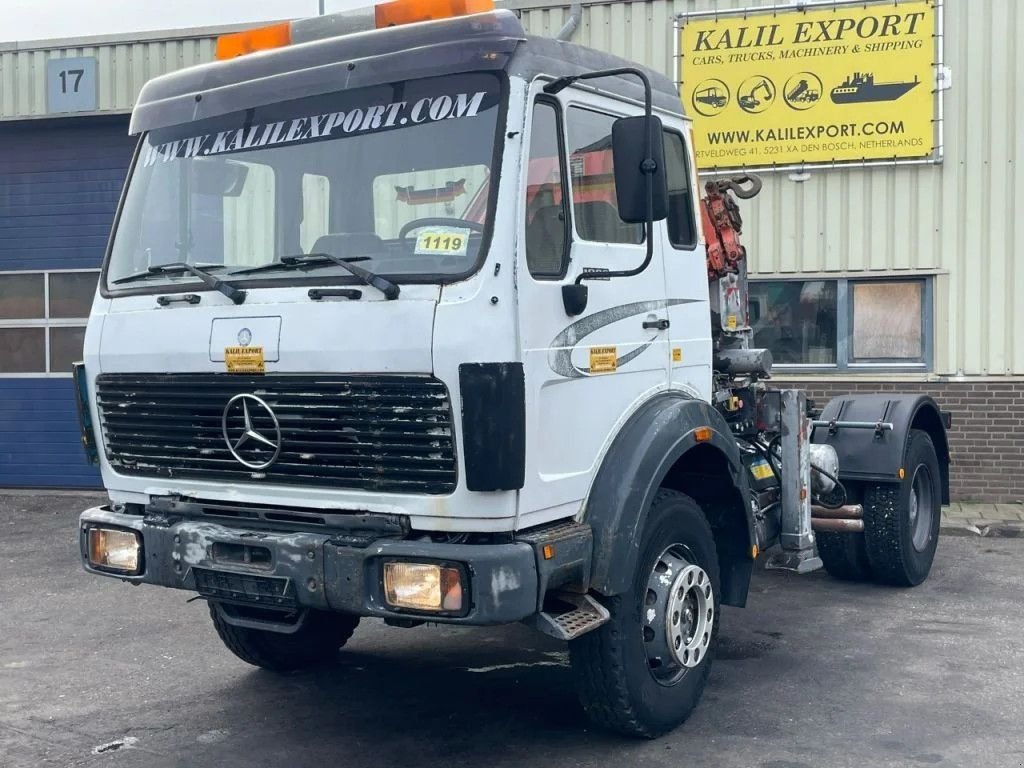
[(593, 180), (681, 226), (316, 210), (546, 226)]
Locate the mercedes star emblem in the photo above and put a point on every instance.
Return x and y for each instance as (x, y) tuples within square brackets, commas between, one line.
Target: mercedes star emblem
[(249, 440), (245, 337)]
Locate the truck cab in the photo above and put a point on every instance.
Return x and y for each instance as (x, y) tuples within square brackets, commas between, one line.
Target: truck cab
[(414, 323)]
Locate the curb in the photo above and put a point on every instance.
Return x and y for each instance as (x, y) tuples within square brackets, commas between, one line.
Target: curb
[(1004, 529)]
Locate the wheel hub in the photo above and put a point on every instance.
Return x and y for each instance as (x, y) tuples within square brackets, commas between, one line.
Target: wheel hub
[(921, 508), (679, 614)]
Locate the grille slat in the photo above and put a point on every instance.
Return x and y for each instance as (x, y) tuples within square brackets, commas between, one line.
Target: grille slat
[(380, 433)]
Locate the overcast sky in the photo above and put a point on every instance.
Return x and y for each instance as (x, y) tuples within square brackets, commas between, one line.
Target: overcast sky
[(41, 19)]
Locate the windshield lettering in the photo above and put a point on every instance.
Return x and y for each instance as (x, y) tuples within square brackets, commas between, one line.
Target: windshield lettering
[(303, 129)]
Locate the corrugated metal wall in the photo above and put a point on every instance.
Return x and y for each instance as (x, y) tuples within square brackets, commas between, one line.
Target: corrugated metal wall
[(957, 220), (122, 70)]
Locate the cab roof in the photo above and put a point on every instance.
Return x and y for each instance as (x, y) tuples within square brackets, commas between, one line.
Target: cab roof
[(494, 41)]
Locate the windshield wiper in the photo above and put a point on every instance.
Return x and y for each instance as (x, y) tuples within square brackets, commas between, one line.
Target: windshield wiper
[(236, 295), (313, 260)]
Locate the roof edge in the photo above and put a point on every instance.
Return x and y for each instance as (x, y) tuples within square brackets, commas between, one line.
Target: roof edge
[(128, 38)]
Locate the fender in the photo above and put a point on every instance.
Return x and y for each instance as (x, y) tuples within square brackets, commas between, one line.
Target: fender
[(650, 443), (863, 456)]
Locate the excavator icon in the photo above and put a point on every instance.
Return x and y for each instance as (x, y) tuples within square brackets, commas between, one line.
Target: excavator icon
[(749, 101)]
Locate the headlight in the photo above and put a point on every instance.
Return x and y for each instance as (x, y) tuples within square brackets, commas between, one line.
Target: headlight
[(115, 549), (423, 587)]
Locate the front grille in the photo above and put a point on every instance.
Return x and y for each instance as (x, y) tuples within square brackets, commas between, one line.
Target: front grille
[(225, 585), (372, 433)]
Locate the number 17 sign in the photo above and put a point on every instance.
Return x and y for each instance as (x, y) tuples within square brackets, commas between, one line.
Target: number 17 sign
[(71, 85)]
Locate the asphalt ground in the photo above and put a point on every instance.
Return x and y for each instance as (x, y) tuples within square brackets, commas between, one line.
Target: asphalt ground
[(813, 673)]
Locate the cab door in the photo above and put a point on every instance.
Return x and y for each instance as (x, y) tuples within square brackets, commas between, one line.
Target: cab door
[(584, 373)]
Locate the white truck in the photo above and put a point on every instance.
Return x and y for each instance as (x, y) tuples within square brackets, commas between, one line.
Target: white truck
[(419, 323)]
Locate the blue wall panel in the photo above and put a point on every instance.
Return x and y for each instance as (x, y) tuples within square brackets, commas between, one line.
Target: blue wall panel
[(40, 444), (59, 185)]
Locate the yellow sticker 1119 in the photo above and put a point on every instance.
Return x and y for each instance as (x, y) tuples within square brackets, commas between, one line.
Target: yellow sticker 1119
[(443, 242)]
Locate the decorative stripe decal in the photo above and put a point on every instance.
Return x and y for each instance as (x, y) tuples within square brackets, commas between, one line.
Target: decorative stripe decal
[(560, 356)]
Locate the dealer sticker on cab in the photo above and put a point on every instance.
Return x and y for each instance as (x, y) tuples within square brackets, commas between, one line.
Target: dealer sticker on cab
[(443, 241), (244, 360)]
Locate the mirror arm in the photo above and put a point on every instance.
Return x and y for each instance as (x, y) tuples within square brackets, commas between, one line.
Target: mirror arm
[(648, 166)]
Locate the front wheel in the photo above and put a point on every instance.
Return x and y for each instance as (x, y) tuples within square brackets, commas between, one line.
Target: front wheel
[(644, 671)]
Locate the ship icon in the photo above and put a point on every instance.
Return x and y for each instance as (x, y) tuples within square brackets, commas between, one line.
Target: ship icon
[(861, 87)]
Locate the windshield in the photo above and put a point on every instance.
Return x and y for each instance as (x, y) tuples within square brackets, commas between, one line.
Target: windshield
[(395, 177)]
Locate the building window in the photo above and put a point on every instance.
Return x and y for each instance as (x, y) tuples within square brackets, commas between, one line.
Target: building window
[(887, 321), (844, 324), (42, 320)]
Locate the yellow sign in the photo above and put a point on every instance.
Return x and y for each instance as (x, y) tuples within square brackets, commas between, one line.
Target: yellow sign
[(244, 360), (603, 360), (833, 84), (761, 470)]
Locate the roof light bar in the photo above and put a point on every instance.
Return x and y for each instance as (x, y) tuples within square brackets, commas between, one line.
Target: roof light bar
[(411, 11), (252, 40)]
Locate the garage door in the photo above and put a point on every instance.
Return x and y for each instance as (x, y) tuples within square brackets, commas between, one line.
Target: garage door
[(59, 185)]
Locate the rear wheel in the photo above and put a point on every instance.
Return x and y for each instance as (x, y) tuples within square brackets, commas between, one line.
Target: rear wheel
[(315, 642), (901, 521), (643, 672), (844, 555)]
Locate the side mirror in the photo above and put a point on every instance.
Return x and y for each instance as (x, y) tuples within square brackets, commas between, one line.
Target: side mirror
[(628, 146)]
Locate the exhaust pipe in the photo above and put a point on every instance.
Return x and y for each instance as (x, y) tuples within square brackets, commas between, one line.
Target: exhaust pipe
[(848, 518), (837, 526), (575, 17)]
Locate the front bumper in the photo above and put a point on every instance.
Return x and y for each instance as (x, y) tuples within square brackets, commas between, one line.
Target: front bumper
[(291, 571)]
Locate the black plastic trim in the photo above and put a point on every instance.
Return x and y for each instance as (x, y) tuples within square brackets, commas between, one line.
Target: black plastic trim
[(493, 425)]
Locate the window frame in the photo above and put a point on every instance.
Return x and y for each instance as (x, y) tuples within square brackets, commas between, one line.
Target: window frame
[(666, 131), (46, 322), (563, 168), (845, 363)]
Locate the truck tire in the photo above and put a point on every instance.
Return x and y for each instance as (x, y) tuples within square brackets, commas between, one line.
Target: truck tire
[(643, 672), (844, 555), (316, 642), (901, 520)]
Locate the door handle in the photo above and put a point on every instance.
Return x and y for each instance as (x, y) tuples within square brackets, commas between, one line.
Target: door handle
[(660, 325)]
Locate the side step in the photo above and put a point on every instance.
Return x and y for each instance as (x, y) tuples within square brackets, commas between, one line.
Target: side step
[(587, 614)]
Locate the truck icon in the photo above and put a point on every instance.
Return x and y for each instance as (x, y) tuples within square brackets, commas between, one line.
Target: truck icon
[(712, 96)]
